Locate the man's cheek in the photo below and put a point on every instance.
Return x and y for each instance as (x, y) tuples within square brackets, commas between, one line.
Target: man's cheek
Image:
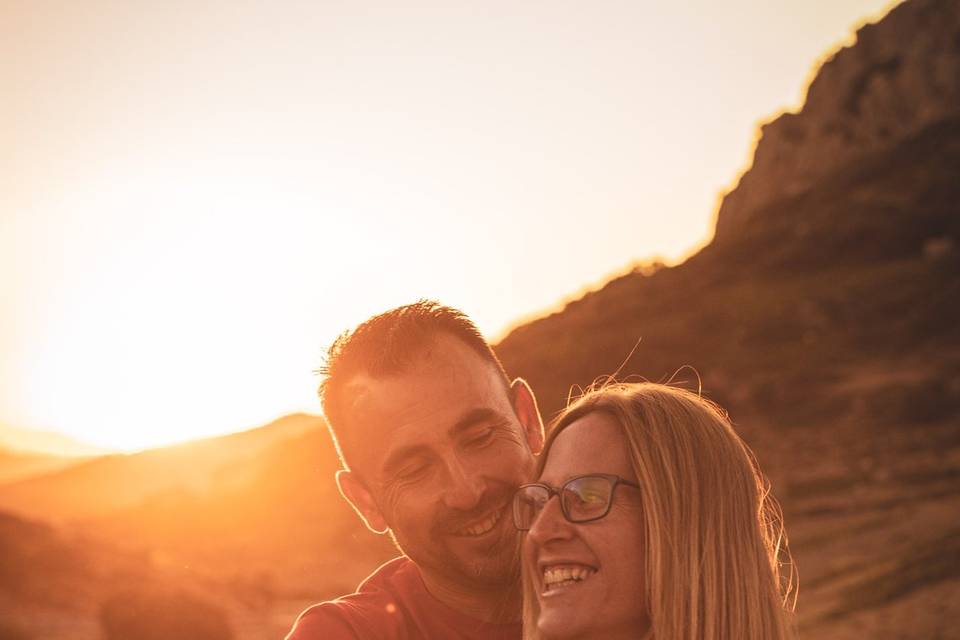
[(394, 501)]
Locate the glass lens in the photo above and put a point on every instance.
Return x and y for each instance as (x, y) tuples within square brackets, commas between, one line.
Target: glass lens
[(586, 498), (527, 504)]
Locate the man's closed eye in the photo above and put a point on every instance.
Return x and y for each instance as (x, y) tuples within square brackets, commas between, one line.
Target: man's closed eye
[(480, 440), (413, 472)]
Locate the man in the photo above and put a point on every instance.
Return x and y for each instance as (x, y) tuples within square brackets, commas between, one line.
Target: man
[(434, 439)]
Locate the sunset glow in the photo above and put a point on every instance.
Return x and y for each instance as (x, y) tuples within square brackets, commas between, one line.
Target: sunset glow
[(195, 201)]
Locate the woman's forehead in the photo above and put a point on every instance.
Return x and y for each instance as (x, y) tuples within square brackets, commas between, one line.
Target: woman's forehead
[(591, 444)]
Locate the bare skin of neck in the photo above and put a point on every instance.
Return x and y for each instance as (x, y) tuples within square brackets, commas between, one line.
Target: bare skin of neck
[(497, 605)]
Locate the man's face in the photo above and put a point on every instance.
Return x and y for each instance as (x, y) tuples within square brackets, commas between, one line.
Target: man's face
[(441, 451)]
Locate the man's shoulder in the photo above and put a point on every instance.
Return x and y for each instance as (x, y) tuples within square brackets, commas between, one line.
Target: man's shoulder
[(398, 574), (393, 604), (374, 610)]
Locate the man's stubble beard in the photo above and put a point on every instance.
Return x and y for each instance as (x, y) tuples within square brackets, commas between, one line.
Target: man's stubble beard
[(498, 570)]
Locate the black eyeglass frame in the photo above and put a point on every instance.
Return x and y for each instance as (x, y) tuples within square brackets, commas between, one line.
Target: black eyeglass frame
[(613, 479)]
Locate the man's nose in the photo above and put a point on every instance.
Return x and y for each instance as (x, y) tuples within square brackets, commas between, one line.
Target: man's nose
[(465, 487), (550, 524)]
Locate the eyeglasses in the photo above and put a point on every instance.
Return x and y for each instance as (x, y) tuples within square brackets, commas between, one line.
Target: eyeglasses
[(582, 499)]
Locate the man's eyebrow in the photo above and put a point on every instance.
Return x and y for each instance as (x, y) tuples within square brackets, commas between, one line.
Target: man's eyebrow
[(475, 417)]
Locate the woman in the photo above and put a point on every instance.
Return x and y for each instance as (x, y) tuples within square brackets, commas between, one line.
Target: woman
[(664, 527)]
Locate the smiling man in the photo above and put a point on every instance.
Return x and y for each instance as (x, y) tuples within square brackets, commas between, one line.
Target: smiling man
[(434, 439)]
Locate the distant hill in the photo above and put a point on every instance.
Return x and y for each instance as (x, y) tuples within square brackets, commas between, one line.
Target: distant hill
[(15, 465), (277, 518), (252, 522), (260, 502), (59, 586), (107, 483), (826, 317), (48, 443)]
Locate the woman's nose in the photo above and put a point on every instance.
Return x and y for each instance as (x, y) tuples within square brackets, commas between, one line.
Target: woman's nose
[(550, 523)]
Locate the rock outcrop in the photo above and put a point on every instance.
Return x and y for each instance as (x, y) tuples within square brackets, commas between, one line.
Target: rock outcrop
[(826, 318), (901, 76)]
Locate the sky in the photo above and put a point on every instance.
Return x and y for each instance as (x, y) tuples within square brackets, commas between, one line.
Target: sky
[(197, 197)]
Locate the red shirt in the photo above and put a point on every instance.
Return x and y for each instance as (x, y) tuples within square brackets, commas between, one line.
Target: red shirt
[(393, 604)]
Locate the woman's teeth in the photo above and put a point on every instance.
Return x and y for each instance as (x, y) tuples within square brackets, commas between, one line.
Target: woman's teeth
[(554, 577), (482, 527)]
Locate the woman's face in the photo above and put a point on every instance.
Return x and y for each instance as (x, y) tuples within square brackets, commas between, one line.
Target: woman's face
[(588, 576)]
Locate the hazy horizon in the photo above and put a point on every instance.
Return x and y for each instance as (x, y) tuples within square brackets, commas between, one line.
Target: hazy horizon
[(197, 200)]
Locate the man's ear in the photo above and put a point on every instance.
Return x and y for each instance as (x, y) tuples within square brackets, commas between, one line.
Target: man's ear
[(525, 406), (357, 494)]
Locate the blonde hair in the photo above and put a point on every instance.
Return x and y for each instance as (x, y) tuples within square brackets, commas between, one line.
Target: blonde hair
[(716, 559)]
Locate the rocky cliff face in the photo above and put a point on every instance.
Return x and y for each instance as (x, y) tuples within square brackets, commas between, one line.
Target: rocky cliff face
[(901, 76), (826, 318)]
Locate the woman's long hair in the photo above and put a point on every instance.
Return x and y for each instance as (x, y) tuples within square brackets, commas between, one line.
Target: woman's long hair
[(715, 557)]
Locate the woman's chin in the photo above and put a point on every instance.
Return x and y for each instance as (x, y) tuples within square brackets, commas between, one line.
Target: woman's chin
[(557, 625), (568, 623)]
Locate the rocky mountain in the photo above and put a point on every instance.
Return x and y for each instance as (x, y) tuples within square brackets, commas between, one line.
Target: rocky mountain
[(901, 76), (825, 317)]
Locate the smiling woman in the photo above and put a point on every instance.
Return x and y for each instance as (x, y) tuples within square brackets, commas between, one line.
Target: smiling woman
[(663, 526)]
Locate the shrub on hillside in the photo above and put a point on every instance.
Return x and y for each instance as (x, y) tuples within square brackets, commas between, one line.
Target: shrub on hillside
[(156, 613), (10, 631)]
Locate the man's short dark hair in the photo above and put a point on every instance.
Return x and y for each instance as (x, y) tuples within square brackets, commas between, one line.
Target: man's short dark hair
[(387, 344)]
